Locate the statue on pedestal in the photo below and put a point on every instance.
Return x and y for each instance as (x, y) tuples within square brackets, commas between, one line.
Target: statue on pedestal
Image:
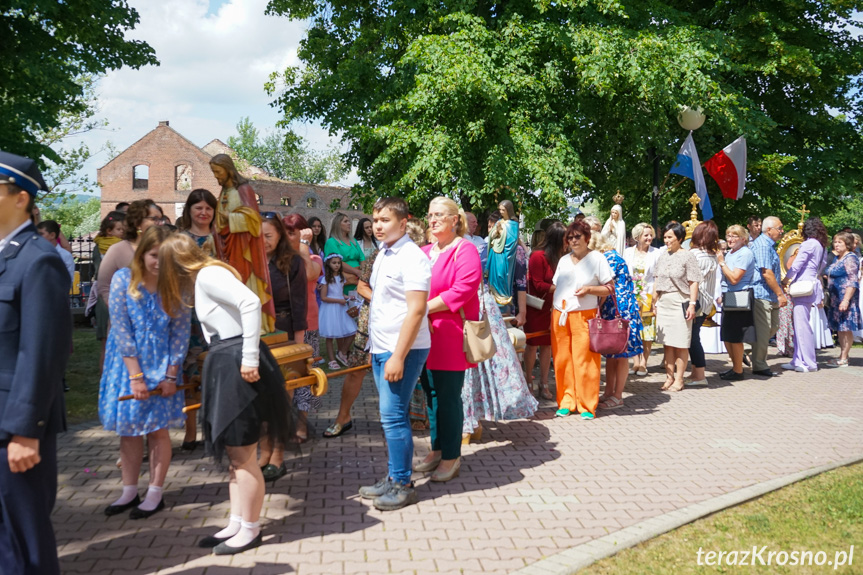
[(615, 228), (237, 236), (500, 265)]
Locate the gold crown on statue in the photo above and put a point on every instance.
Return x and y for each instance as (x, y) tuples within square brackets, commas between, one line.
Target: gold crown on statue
[(618, 198)]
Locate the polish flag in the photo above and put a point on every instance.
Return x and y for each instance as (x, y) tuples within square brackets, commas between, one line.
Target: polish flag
[(728, 168)]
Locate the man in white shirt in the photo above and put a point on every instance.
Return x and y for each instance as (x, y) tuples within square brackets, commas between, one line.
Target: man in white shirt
[(399, 340), (50, 230), (478, 241)]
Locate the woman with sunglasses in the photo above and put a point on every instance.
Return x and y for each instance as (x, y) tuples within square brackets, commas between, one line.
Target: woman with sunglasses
[(582, 277)]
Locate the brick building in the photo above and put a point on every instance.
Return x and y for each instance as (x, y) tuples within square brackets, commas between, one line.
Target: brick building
[(165, 166)]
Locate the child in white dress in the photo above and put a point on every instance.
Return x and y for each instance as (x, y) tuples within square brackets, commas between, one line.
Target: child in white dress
[(333, 319)]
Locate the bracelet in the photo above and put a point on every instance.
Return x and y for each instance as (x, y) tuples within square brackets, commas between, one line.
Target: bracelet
[(693, 303), (305, 242), (138, 376), (171, 377)]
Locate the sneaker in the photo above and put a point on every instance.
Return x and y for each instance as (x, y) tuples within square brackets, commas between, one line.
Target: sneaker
[(399, 495), (376, 490), (562, 412), (788, 366), (803, 369), (586, 415)]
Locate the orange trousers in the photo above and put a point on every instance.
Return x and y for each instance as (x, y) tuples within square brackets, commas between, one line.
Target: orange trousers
[(576, 368)]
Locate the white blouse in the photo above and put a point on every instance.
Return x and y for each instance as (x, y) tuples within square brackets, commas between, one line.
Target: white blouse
[(633, 258), (227, 308), (569, 277)]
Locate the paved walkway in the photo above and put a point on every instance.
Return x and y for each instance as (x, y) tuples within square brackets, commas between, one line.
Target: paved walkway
[(529, 490)]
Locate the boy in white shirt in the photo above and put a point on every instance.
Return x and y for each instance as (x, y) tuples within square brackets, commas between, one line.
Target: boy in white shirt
[(399, 341)]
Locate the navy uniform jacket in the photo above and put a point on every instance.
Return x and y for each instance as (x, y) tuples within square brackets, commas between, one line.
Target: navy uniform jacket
[(35, 337)]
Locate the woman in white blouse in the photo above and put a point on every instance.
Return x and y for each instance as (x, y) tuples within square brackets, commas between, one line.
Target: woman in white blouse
[(641, 260), (242, 388), (581, 278)]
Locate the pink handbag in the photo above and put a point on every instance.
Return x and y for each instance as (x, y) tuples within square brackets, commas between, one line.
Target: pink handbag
[(609, 336)]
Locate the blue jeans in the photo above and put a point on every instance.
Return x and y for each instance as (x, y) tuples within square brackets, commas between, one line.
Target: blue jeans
[(395, 399)]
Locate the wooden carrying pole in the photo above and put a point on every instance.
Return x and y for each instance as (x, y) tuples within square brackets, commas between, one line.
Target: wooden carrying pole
[(158, 391)]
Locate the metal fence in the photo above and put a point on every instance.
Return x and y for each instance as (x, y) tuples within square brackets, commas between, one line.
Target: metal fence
[(82, 251)]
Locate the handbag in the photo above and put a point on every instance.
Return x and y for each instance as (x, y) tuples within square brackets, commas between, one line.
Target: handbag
[(609, 336), (534, 301), (801, 288), (479, 345), (737, 300)]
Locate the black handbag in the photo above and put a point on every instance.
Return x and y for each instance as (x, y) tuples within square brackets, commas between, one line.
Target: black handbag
[(737, 300)]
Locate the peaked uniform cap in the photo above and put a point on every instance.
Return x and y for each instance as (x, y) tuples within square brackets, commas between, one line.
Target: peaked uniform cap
[(21, 171)]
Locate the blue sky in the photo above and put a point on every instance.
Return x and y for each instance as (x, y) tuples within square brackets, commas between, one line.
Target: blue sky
[(215, 57)]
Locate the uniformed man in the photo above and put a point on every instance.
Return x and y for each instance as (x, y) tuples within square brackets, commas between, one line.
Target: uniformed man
[(34, 349)]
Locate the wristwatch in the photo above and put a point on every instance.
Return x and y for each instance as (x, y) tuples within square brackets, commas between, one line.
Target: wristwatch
[(304, 242)]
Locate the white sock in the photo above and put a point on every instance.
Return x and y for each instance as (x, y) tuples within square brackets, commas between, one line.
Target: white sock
[(232, 529), (129, 493), (248, 532), (152, 500)]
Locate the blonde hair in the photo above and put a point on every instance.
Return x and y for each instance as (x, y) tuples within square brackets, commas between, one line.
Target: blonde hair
[(180, 260), (600, 242), (336, 228), (453, 209), (738, 231), (153, 237), (638, 230), (593, 221), (416, 231)]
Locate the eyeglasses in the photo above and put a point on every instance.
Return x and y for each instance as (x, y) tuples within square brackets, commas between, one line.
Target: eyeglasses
[(154, 218), (437, 216), (270, 215), (574, 237)]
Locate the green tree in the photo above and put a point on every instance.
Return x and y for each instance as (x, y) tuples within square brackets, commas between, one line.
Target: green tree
[(76, 217), (46, 48), (545, 102), (284, 155)]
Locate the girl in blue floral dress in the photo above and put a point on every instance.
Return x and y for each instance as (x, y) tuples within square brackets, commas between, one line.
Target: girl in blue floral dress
[(617, 366), (145, 352)]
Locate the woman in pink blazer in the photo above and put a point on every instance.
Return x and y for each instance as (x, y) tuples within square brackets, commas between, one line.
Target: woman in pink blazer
[(456, 274)]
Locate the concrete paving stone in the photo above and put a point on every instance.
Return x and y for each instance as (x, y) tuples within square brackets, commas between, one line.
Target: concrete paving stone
[(367, 567)]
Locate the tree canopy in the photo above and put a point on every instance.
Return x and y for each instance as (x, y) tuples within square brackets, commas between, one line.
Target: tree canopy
[(285, 155), (545, 102), (46, 47)]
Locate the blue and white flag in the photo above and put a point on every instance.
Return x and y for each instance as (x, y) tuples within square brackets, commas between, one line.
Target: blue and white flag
[(689, 166)]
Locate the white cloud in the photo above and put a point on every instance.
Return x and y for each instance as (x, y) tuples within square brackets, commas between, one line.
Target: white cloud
[(214, 60)]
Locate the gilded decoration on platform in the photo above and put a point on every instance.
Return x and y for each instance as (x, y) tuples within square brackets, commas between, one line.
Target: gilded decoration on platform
[(693, 217), (790, 242)]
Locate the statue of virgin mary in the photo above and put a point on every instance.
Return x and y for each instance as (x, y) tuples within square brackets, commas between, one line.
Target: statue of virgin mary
[(615, 229), (500, 265)]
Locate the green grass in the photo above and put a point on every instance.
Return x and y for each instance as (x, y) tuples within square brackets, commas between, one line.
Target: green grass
[(824, 513), (82, 377)]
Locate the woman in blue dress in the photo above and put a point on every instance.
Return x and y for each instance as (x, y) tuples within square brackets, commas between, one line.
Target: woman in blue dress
[(145, 352), (617, 366), (842, 285)]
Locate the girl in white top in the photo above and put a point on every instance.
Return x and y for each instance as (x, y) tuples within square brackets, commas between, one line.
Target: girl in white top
[(581, 278), (241, 385)]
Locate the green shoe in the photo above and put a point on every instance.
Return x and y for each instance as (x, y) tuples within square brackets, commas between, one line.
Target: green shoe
[(562, 412), (586, 415)]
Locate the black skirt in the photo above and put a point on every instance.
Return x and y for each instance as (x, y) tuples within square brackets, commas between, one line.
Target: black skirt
[(738, 326), (234, 411)]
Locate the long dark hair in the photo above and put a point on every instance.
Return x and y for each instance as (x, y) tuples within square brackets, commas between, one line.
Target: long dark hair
[(321, 239), (553, 243), (814, 228), (109, 221), (196, 197), (138, 210), (360, 234), (284, 253), (329, 275)]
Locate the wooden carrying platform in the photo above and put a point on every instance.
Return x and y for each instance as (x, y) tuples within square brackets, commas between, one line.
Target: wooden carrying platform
[(295, 361)]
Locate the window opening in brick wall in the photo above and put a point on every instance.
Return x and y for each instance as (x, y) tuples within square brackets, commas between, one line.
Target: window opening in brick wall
[(140, 177), (286, 202), (183, 177), (311, 203), (259, 198)]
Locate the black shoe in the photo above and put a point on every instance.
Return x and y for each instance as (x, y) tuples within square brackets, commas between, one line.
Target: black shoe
[(190, 445), (138, 513), (399, 495), (211, 541), (725, 373), (732, 376), (225, 549), (376, 490), (117, 509), (765, 373), (273, 473), (746, 361)]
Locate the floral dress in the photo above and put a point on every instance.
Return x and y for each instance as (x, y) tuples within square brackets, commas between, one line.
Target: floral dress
[(627, 303), (495, 390), (140, 328), (842, 275)]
